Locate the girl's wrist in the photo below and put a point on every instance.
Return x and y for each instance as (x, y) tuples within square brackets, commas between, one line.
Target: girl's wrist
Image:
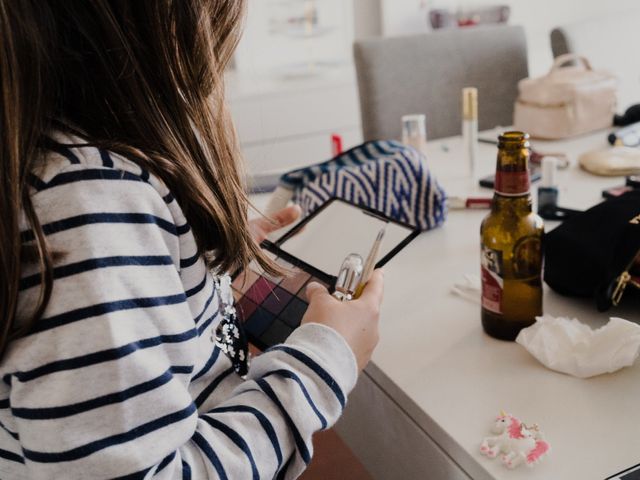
[(330, 349)]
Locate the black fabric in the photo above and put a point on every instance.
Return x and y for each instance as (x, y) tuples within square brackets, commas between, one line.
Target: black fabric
[(631, 115), (585, 255)]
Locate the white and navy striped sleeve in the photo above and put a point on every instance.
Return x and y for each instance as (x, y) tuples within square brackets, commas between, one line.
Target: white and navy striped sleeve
[(103, 385)]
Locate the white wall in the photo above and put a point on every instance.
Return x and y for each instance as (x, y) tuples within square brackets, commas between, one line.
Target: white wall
[(539, 17)]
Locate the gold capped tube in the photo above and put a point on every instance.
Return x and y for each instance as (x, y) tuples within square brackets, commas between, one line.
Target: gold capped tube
[(470, 103)]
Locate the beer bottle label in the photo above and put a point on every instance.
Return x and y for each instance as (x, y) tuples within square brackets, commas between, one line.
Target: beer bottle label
[(512, 183), (492, 279)]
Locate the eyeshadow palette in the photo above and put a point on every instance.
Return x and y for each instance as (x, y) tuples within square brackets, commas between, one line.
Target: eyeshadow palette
[(271, 308)]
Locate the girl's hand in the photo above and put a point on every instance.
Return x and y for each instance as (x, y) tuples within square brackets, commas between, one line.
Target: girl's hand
[(261, 227), (356, 320)]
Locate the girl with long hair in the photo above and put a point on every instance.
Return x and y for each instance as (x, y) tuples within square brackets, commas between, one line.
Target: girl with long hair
[(123, 207)]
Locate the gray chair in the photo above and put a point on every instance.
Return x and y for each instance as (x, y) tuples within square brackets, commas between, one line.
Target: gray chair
[(609, 42), (426, 73)]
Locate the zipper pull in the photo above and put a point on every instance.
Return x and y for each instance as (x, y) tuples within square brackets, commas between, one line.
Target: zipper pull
[(623, 280)]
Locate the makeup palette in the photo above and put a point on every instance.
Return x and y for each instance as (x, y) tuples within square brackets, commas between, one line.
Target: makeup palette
[(312, 251), (272, 307)]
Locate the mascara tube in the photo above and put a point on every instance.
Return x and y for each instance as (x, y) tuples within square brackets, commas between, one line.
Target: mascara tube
[(470, 129)]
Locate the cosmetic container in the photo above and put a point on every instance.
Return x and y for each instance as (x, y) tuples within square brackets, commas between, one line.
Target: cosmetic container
[(414, 131), (349, 277), (470, 130)]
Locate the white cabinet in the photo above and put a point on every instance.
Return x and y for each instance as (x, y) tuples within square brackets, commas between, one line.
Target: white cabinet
[(284, 124), (388, 442), (281, 155), (294, 84)]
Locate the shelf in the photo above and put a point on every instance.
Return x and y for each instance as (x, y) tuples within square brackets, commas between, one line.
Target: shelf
[(302, 32), (243, 85)]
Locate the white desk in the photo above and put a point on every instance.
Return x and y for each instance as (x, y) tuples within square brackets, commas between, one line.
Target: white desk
[(437, 381)]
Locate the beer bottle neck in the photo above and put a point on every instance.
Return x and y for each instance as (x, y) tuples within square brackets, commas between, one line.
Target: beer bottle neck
[(512, 205), (512, 166)]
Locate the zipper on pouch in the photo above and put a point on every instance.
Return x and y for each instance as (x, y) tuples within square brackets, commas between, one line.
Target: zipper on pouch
[(623, 281)]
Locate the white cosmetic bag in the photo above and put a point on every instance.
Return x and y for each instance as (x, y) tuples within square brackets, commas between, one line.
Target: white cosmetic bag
[(567, 101)]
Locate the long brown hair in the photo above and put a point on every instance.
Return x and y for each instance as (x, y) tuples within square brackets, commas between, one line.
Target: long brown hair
[(141, 78)]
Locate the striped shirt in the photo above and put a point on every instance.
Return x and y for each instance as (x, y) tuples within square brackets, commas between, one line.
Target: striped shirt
[(121, 377)]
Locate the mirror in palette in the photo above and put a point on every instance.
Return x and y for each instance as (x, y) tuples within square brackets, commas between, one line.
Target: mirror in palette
[(338, 229), (270, 308)]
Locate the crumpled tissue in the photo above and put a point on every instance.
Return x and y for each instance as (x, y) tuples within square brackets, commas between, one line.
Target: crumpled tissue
[(569, 346)]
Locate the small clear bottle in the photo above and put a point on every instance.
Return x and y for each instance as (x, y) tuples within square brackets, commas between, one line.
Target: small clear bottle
[(414, 131)]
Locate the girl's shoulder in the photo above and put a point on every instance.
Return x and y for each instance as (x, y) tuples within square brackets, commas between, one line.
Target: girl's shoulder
[(71, 159), (75, 178)]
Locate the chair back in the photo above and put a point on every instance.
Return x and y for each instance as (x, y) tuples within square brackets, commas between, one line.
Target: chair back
[(426, 73)]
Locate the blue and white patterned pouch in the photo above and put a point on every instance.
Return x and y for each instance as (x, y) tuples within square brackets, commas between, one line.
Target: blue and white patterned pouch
[(386, 176)]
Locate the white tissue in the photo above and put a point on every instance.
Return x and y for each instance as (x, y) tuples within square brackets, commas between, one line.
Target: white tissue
[(572, 347)]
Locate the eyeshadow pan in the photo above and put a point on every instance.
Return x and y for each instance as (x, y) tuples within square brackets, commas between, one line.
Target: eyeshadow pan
[(284, 264), (245, 308), (271, 278), (253, 265), (271, 308), (239, 280), (269, 254), (293, 312), (257, 269), (295, 281), (237, 295), (259, 321), (260, 290), (287, 267), (276, 333), (277, 300), (245, 280)]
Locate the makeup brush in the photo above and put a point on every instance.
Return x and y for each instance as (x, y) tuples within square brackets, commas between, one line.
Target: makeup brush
[(370, 263)]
